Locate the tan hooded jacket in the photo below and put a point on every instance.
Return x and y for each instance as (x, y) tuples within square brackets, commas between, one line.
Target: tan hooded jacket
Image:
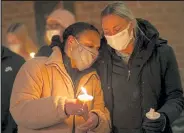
[(39, 93)]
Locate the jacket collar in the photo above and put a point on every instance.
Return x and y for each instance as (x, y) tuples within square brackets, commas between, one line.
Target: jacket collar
[(5, 52), (55, 57)]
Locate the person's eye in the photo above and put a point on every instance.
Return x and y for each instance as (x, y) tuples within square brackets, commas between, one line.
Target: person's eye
[(117, 29), (90, 46), (106, 33)]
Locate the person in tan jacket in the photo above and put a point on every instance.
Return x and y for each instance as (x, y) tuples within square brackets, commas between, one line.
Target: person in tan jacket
[(45, 91)]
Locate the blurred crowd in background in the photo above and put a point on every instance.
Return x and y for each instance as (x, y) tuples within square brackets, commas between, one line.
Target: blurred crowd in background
[(17, 38)]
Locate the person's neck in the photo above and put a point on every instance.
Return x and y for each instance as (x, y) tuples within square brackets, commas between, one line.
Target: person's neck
[(71, 60), (73, 64), (129, 49)]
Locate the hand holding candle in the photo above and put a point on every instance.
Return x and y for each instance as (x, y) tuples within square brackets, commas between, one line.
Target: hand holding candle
[(85, 98), (154, 122), (73, 107)]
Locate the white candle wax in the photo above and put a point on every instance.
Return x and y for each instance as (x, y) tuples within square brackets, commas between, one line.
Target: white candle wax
[(152, 114), (85, 97)]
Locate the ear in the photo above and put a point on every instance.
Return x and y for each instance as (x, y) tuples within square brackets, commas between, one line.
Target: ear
[(70, 39), (132, 24)]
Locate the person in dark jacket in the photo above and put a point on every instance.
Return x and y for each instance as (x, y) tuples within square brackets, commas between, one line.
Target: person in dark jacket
[(10, 65), (178, 125), (138, 71)]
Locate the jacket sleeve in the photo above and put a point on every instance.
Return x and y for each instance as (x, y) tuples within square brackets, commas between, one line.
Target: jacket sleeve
[(104, 125), (26, 105), (174, 101)]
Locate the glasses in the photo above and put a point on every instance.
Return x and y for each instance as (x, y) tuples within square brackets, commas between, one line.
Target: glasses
[(54, 27)]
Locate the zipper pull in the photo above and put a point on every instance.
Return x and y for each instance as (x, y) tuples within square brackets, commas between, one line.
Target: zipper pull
[(128, 77)]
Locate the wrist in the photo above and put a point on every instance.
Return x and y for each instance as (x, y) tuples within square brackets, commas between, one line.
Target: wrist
[(165, 120), (65, 107), (61, 106), (97, 118)]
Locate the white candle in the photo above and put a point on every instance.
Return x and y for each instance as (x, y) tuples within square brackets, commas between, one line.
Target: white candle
[(152, 114), (85, 97)]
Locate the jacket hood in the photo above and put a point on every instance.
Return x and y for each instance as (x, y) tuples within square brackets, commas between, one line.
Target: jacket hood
[(5, 52), (147, 28), (148, 32), (63, 17)]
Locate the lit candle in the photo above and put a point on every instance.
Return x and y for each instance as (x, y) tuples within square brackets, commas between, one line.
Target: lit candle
[(32, 54), (85, 98), (152, 114)]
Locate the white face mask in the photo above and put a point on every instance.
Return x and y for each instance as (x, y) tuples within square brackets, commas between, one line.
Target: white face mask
[(51, 33), (84, 56), (15, 48), (121, 40)]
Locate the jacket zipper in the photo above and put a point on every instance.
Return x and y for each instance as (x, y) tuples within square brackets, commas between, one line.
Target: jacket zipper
[(129, 73), (73, 129), (74, 89)]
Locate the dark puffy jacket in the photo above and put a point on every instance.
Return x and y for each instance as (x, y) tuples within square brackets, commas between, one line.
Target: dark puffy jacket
[(159, 79), (46, 50), (10, 65), (178, 125)]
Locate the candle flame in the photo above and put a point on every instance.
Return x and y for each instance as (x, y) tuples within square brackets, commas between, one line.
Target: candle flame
[(85, 97), (84, 90), (32, 54), (152, 110)]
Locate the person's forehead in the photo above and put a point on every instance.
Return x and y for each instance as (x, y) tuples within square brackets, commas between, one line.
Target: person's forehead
[(110, 21), (54, 25), (53, 22), (89, 34), (11, 36), (90, 37)]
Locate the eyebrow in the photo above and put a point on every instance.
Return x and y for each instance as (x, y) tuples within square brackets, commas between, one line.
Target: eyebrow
[(91, 43), (119, 25)]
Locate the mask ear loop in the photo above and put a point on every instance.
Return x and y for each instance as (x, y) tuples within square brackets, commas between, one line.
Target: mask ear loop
[(93, 54), (78, 49), (131, 33), (85, 48)]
